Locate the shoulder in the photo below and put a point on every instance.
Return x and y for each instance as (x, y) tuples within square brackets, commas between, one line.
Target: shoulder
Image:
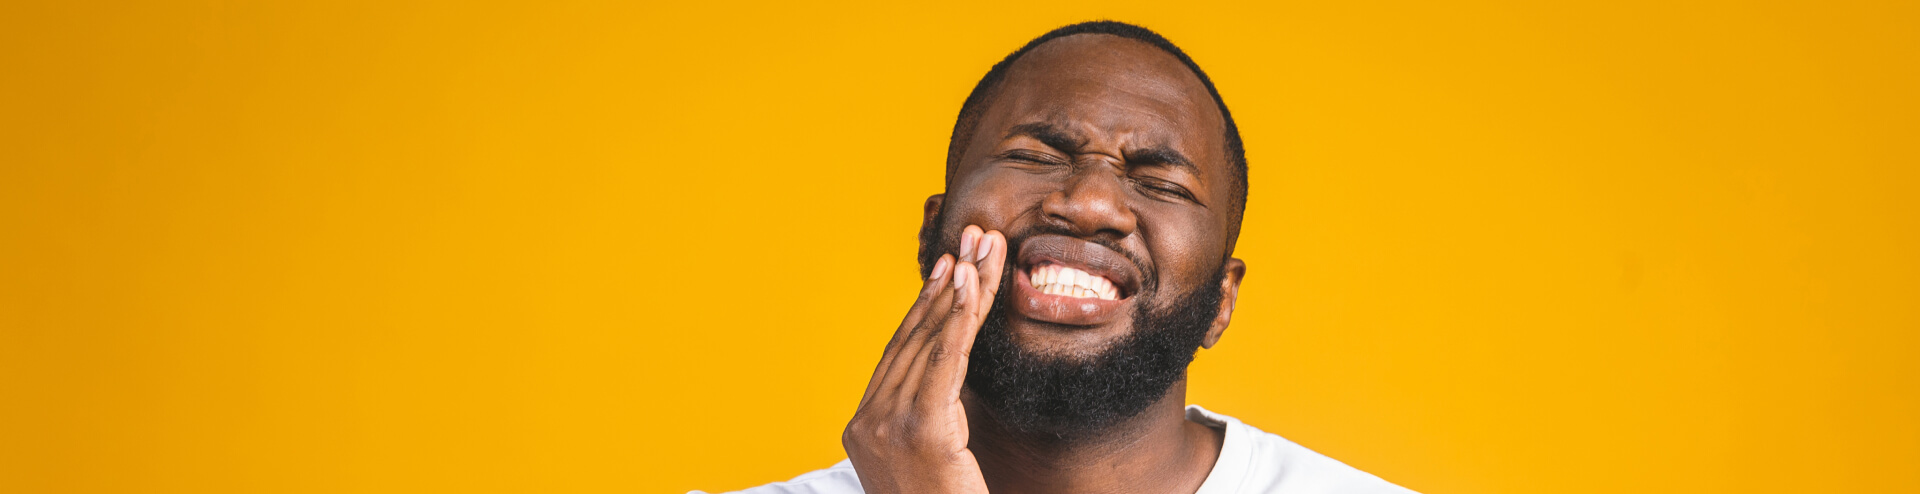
[(835, 479), (1270, 463)]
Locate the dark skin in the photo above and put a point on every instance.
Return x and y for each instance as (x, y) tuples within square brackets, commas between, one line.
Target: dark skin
[(1119, 144)]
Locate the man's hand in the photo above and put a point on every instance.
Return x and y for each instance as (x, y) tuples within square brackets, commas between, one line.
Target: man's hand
[(910, 433)]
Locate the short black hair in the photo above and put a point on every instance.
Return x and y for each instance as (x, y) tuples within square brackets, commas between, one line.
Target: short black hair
[(989, 86)]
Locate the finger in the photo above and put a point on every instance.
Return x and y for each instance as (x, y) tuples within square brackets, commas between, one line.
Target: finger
[(992, 265), (913, 344), (935, 283), (969, 243), (939, 355)]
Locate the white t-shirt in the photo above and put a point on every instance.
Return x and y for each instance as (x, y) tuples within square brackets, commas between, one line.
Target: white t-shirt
[(1250, 461)]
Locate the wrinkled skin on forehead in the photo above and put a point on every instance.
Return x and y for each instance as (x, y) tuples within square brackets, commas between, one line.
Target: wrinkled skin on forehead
[(1085, 139)]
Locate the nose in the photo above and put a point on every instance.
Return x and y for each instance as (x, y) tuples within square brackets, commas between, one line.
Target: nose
[(1093, 202)]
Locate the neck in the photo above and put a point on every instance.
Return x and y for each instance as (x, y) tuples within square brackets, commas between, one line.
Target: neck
[(1157, 450)]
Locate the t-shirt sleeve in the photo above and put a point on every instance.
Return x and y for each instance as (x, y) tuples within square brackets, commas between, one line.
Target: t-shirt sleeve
[(1286, 467)]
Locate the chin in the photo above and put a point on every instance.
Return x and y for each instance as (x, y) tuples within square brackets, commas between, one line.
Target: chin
[(1050, 339)]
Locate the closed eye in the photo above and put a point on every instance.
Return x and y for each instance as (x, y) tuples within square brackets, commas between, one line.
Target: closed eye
[(1165, 189), (1032, 157)]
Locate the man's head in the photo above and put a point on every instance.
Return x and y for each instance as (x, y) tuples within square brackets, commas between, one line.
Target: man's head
[(1110, 163), (990, 85)]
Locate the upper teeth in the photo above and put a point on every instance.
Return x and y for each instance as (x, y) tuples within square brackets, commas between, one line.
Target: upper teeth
[(1054, 279)]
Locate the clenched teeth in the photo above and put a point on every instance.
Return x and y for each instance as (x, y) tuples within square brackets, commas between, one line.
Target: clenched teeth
[(1054, 279)]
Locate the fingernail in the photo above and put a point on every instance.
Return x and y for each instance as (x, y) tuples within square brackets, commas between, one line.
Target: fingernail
[(986, 247), (967, 241), (959, 281), (940, 267)]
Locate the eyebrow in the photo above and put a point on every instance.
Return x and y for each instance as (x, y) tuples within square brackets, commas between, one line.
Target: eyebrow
[(1049, 134), (1162, 156)]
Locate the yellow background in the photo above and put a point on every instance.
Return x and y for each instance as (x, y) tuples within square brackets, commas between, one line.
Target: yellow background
[(621, 247)]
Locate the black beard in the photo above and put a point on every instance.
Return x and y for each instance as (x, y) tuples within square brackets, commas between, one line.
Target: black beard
[(1075, 397)]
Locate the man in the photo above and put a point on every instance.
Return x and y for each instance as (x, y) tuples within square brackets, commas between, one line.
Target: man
[(1080, 256)]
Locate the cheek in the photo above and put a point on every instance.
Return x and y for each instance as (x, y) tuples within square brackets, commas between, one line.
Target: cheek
[(995, 201), (1187, 247)]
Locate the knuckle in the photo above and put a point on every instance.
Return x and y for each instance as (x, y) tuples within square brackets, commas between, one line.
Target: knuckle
[(933, 329), (937, 353), (933, 319), (890, 434), (955, 311)]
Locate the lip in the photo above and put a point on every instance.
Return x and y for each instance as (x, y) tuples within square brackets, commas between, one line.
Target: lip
[(1077, 254)]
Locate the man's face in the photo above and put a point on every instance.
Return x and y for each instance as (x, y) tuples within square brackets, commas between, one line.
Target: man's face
[(1103, 161)]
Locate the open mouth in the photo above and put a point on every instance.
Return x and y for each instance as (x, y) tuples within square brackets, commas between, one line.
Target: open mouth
[(1072, 282), (1055, 279)]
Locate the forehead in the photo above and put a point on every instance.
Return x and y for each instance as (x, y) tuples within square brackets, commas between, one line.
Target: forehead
[(1108, 88)]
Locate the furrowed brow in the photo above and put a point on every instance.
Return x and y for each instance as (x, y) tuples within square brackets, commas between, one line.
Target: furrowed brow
[(1054, 137), (1162, 156)]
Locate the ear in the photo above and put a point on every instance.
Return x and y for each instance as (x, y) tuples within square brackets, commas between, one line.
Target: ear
[(1229, 294), (930, 217)]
